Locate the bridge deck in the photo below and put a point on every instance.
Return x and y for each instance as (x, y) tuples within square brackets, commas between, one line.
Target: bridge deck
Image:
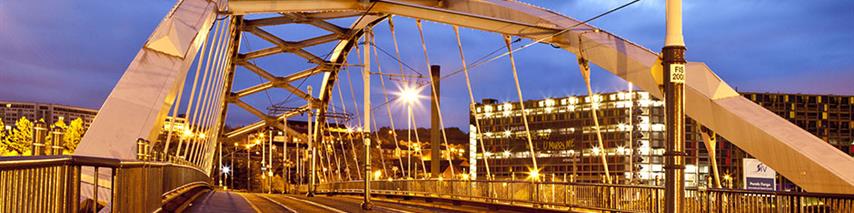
[(226, 201)]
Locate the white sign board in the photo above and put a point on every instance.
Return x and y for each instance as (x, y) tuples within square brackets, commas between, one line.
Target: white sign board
[(758, 176), (677, 73)]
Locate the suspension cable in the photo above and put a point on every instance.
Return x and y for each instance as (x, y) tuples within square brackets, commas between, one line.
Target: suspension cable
[(390, 118), (334, 154), (349, 133), (340, 139), (190, 104), (356, 111), (379, 143), (388, 109), (436, 97), (584, 66), (201, 141), (397, 48), (191, 142), (373, 115), (212, 106), (478, 133), (189, 101), (222, 92), (522, 104), (477, 64), (420, 148)]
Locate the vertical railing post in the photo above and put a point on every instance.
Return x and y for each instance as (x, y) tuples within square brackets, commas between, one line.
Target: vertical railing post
[(56, 145), (40, 131), (95, 191)]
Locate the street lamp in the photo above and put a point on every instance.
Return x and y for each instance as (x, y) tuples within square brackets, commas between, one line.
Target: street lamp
[(409, 96)]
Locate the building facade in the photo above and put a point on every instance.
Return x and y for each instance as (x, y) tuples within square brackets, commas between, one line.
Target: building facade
[(564, 136), (11, 111)]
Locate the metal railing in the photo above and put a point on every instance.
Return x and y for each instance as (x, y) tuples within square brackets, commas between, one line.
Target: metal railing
[(90, 184), (589, 196)]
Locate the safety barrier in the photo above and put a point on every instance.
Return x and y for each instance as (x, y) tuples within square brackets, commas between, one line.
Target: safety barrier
[(604, 197), (73, 184)]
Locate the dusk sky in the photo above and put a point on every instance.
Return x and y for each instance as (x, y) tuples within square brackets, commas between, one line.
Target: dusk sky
[(73, 52)]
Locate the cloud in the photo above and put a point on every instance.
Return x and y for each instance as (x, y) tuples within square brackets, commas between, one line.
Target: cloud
[(50, 48)]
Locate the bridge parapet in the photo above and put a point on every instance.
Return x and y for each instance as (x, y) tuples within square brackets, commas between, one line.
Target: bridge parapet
[(73, 183), (563, 196)]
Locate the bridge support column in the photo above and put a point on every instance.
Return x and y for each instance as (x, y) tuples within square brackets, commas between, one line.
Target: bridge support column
[(366, 128), (673, 64)]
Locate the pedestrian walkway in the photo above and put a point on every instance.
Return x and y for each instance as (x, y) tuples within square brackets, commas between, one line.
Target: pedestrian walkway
[(220, 201)]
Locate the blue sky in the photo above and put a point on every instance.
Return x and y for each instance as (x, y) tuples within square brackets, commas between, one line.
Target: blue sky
[(73, 52)]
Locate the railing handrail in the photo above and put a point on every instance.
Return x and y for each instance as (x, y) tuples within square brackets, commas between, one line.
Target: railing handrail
[(514, 181), (22, 162), (720, 190), (782, 193), (54, 182)]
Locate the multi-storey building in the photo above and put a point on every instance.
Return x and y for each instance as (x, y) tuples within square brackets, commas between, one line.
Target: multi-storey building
[(632, 126), (11, 111), (564, 137)]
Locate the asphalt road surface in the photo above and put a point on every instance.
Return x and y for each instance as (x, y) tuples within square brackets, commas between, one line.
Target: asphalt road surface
[(227, 201)]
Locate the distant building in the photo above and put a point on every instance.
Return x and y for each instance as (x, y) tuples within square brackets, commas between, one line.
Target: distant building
[(564, 136), (11, 111)]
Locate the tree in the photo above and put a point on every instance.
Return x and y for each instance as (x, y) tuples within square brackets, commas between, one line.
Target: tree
[(4, 142), (73, 134), (48, 140), (21, 138)]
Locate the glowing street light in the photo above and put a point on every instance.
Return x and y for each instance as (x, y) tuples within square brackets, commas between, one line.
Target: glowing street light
[(378, 174), (409, 95), (534, 174)]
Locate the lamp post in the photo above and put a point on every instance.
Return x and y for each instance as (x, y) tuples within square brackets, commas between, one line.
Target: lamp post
[(673, 64), (270, 158), (231, 162), (313, 149), (409, 96), (259, 141), (366, 82), (248, 169)]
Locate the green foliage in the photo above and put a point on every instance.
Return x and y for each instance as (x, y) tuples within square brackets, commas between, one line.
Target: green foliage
[(4, 144), (20, 139), (48, 141), (73, 134)]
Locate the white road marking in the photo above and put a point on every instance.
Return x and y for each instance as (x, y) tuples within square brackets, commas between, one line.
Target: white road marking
[(250, 203), (316, 204), (280, 204)]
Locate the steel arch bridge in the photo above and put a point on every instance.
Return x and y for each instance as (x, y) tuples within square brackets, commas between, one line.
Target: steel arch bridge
[(146, 94)]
